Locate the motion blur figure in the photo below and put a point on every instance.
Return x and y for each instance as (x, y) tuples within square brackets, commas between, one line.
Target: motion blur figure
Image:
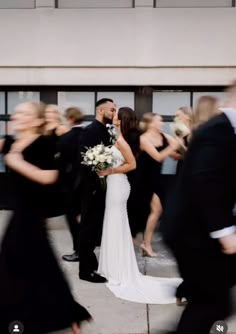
[(198, 222), (33, 289)]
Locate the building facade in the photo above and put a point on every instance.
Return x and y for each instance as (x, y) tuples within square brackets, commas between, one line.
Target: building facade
[(151, 55)]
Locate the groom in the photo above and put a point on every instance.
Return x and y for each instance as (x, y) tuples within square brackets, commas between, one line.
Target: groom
[(92, 195)]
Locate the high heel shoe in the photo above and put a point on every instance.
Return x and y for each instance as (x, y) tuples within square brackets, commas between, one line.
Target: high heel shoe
[(148, 252)]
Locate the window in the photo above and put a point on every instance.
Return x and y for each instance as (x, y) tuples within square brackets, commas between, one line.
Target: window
[(2, 103), (84, 100), (193, 3), (95, 3), (24, 4), (166, 103), (169, 165), (121, 99), (14, 98)]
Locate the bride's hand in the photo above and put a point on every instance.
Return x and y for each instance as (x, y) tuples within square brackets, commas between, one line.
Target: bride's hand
[(105, 172)]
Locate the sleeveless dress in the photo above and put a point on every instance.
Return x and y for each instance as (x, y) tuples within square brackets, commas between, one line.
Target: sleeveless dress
[(33, 289), (145, 181), (117, 261)]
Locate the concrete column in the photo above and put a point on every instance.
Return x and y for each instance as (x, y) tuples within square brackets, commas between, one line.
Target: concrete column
[(144, 3), (45, 3)]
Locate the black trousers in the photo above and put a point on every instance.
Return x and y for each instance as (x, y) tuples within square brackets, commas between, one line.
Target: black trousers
[(92, 213), (208, 278), (72, 210)]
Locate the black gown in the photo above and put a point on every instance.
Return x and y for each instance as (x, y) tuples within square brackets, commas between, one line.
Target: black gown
[(33, 289), (145, 181)]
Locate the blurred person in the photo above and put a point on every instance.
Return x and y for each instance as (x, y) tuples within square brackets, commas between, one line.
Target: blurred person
[(205, 108), (198, 223), (54, 129), (54, 121), (117, 260), (155, 147), (92, 193), (183, 115), (68, 146), (32, 286)]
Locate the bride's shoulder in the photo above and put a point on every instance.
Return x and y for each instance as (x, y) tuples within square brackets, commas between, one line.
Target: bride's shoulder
[(122, 145)]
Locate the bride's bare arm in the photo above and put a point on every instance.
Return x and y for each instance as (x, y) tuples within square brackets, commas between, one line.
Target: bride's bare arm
[(129, 164), (150, 149), (15, 161)]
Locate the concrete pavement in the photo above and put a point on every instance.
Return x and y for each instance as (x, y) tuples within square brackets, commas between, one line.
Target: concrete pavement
[(112, 315)]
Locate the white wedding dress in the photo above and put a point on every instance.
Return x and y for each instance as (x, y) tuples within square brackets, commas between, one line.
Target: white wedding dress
[(117, 261)]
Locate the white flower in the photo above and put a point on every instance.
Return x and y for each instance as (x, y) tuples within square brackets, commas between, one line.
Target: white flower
[(180, 129)]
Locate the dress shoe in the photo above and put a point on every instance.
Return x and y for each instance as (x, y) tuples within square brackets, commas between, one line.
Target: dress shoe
[(93, 277), (71, 258)]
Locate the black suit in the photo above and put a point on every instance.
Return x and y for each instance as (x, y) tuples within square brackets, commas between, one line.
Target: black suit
[(92, 201), (202, 203), (68, 145)]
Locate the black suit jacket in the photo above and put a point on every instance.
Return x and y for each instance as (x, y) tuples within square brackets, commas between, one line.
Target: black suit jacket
[(204, 196), (68, 146), (94, 134)]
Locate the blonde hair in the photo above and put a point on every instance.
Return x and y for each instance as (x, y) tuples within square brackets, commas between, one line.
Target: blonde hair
[(57, 111), (39, 108), (206, 108), (146, 120), (74, 114)]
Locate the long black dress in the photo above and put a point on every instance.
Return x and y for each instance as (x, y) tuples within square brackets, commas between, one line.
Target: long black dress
[(33, 289), (145, 182)]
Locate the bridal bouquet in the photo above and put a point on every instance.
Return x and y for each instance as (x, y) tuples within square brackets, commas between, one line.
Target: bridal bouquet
[(99, 157), (180, 129)]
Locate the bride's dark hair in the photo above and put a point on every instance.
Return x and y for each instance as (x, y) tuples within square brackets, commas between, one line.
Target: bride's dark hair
[(129, 128)]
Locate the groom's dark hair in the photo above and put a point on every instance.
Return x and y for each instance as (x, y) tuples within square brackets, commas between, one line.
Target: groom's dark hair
[(102, 101)]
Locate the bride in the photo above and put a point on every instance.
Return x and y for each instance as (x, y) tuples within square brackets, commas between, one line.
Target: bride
[(117, 261)]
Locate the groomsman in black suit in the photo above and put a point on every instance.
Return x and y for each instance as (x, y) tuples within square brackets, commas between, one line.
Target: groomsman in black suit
[(92, 194), (198, 222), (68, 145)]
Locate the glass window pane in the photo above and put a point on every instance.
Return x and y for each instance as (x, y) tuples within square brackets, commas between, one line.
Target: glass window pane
[(169, 165), (17, 4), (14, 98), (193, 3), (83, 100), (2, 103), (95, 3), (121, 99), (218, 95), (166, 103)]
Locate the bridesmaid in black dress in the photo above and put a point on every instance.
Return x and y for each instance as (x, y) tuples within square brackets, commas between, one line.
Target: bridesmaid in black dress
[(33, 289), (54, 129), (156, 147)]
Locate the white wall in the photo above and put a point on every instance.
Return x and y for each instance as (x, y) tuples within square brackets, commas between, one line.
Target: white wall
[(133, 46)]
